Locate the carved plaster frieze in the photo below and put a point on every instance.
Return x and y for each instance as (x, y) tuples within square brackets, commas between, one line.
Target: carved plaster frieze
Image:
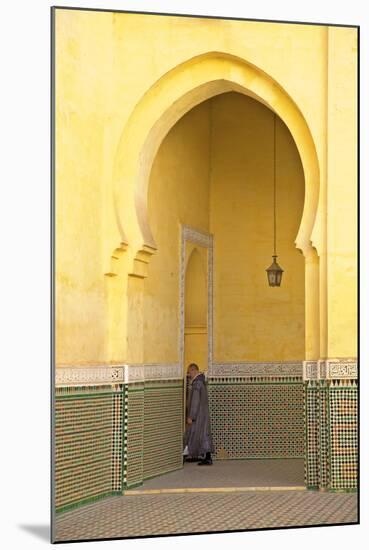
[(134, 373), (331, 369), (250, 369), (152, 371), (310, 370), (88, 376), (338, 369), (160, 371), (322, 369), (122, 374)]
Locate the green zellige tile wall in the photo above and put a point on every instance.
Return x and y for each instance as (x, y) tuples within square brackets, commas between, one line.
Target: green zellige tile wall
[(257, 420), (88, 449), (163, 428)]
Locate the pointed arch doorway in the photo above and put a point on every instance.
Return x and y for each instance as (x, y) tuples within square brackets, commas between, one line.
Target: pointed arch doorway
[(221, 186), (196, 303)]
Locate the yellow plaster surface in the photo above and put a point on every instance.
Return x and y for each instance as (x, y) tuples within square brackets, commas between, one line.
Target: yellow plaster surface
[(252, 320), (117, 97)]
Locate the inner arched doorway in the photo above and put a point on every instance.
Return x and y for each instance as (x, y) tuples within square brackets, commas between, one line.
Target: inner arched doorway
[(195, 322)]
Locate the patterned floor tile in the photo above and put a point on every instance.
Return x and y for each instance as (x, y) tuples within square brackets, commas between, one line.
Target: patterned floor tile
[(145, 515)]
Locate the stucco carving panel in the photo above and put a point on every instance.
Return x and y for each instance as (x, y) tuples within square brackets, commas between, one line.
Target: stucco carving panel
[(157, 371), (249, 369), (330, 369), (310, 370), (123, 374), (88, 376), (338, 369)]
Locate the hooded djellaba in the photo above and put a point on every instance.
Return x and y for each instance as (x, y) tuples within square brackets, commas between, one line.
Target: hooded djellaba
[(198, 439)]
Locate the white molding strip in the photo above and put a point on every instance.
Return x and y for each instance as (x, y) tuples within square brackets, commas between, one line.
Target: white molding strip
[(331, 369), (121, 374), (251, 369)]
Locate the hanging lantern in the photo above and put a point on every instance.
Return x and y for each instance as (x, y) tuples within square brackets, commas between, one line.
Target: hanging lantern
[(274, 271)]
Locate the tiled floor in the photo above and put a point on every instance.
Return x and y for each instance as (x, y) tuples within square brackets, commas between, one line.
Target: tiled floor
[(161, 514), (145, 515)]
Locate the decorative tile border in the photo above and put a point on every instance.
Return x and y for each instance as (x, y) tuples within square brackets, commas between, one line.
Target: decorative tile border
[(250, 369), (330, 369), (124, 374)]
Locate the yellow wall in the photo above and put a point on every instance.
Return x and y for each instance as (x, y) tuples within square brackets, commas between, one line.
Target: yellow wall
[(196, 288), (196, 348), (227, 142), (342, 194), (103, 70), (196, 308), (178, 193), (81, 300), (252, 320)]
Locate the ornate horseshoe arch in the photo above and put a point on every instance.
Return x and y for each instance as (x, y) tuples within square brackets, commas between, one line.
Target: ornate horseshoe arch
[(177, 92)]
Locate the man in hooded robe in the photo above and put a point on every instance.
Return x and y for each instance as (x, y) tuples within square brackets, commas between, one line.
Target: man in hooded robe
[(198, 440)]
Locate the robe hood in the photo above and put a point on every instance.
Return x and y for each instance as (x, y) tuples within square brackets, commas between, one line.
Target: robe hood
[(199, 378)]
